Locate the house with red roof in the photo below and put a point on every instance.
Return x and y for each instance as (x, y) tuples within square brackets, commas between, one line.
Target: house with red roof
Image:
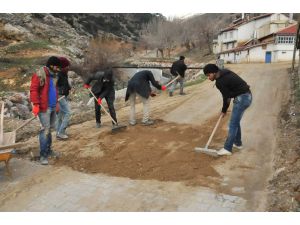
[(265, 38)]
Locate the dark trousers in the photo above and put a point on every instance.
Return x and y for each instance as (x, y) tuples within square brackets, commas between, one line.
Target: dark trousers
[(110, 103)]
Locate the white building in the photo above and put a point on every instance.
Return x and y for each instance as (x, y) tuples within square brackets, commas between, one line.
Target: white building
[(266, 38)]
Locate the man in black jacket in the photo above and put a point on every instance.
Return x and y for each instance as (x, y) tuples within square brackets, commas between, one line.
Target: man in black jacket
[(139, 85), (64, 87), (103, 88), (178, 68), (231, 86)]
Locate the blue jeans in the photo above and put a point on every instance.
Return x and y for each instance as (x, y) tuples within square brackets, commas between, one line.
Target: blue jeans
[(47, 120), (63, 116), (240, 104)]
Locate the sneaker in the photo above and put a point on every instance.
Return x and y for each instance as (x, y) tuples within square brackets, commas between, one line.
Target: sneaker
[(240, 147), (170, 94), (54, 154), (223, 151), (62, 136), (148, 122), (43, 160), (98, 125), (132, 123)]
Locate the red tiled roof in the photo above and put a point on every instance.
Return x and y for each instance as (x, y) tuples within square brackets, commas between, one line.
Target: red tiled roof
[(288, 30)]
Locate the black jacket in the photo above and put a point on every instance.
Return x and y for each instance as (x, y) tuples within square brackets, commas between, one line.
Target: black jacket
[(178, 67), (230, 86), (62, 84), (139, 83), (104, 85)]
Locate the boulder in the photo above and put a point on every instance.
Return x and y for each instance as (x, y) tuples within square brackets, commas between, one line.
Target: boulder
[(23, 111), (16, 98)]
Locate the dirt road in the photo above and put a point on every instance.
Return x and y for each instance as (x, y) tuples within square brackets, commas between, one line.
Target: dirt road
[(155, 168)]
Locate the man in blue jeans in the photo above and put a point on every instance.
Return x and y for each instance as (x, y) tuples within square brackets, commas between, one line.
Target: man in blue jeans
[(231, 86), (64, 87), (43, 96)]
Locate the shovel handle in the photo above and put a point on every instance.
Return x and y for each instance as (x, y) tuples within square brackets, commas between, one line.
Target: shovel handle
[(28, 121), (107, 113), (214, 131), (1, 123), (172, 81), (24, 124)]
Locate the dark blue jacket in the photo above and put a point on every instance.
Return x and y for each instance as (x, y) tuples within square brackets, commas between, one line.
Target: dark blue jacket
[(139, 84)]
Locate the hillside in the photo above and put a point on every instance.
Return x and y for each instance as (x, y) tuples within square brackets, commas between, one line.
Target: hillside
[(27, 40)]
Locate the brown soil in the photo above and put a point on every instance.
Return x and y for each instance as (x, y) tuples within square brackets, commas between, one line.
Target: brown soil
[(164, 151)]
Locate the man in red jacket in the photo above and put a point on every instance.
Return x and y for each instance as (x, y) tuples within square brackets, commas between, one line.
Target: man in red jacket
[(43, 96)]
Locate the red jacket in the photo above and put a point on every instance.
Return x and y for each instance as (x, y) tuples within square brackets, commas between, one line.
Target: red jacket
[(39, 93)]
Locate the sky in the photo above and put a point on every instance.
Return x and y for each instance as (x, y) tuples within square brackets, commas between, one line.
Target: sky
[(167, 7)]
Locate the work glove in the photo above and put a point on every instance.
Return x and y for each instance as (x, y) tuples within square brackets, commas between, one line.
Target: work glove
[(35, 109), (99, 100), (163, 88), (87, 86), (57, 108)]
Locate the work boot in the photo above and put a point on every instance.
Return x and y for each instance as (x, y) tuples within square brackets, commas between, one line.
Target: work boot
[(43, 160), (223, 151), (54, 154), (62, 137), (239, 147), (98, 125), (170, 94), (148, 122)]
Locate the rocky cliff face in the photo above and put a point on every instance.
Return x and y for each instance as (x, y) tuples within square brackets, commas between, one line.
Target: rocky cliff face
[(69, 33)]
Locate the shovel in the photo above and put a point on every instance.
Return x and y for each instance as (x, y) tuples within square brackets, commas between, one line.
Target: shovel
[(116, 127), (7, 140), (206, 150)]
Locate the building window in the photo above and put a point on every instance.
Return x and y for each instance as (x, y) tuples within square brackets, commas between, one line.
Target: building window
[(285, 39), (225, 35), (231, 34)]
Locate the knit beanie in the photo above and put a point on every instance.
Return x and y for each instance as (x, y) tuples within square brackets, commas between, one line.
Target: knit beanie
[(64, 62), (53, 61), (210, 68)]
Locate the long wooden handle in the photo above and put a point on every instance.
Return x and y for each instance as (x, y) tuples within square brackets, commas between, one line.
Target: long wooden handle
[(1, 123), (28, 121), (214, 131), (24, 124), (107, 113), (172, 81)]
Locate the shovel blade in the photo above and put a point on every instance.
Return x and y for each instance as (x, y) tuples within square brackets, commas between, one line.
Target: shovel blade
[(118, 128), (211, 152)]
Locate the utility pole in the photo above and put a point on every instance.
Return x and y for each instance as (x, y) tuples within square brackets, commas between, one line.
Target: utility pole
[(295, 49)]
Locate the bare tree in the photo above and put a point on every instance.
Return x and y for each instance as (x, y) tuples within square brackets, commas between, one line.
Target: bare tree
[(160, 34)]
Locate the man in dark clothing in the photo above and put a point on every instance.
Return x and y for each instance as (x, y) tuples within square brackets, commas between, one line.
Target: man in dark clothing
[(103, 88), (64, 87), (139, 85), (231, 86), (178, 68)]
